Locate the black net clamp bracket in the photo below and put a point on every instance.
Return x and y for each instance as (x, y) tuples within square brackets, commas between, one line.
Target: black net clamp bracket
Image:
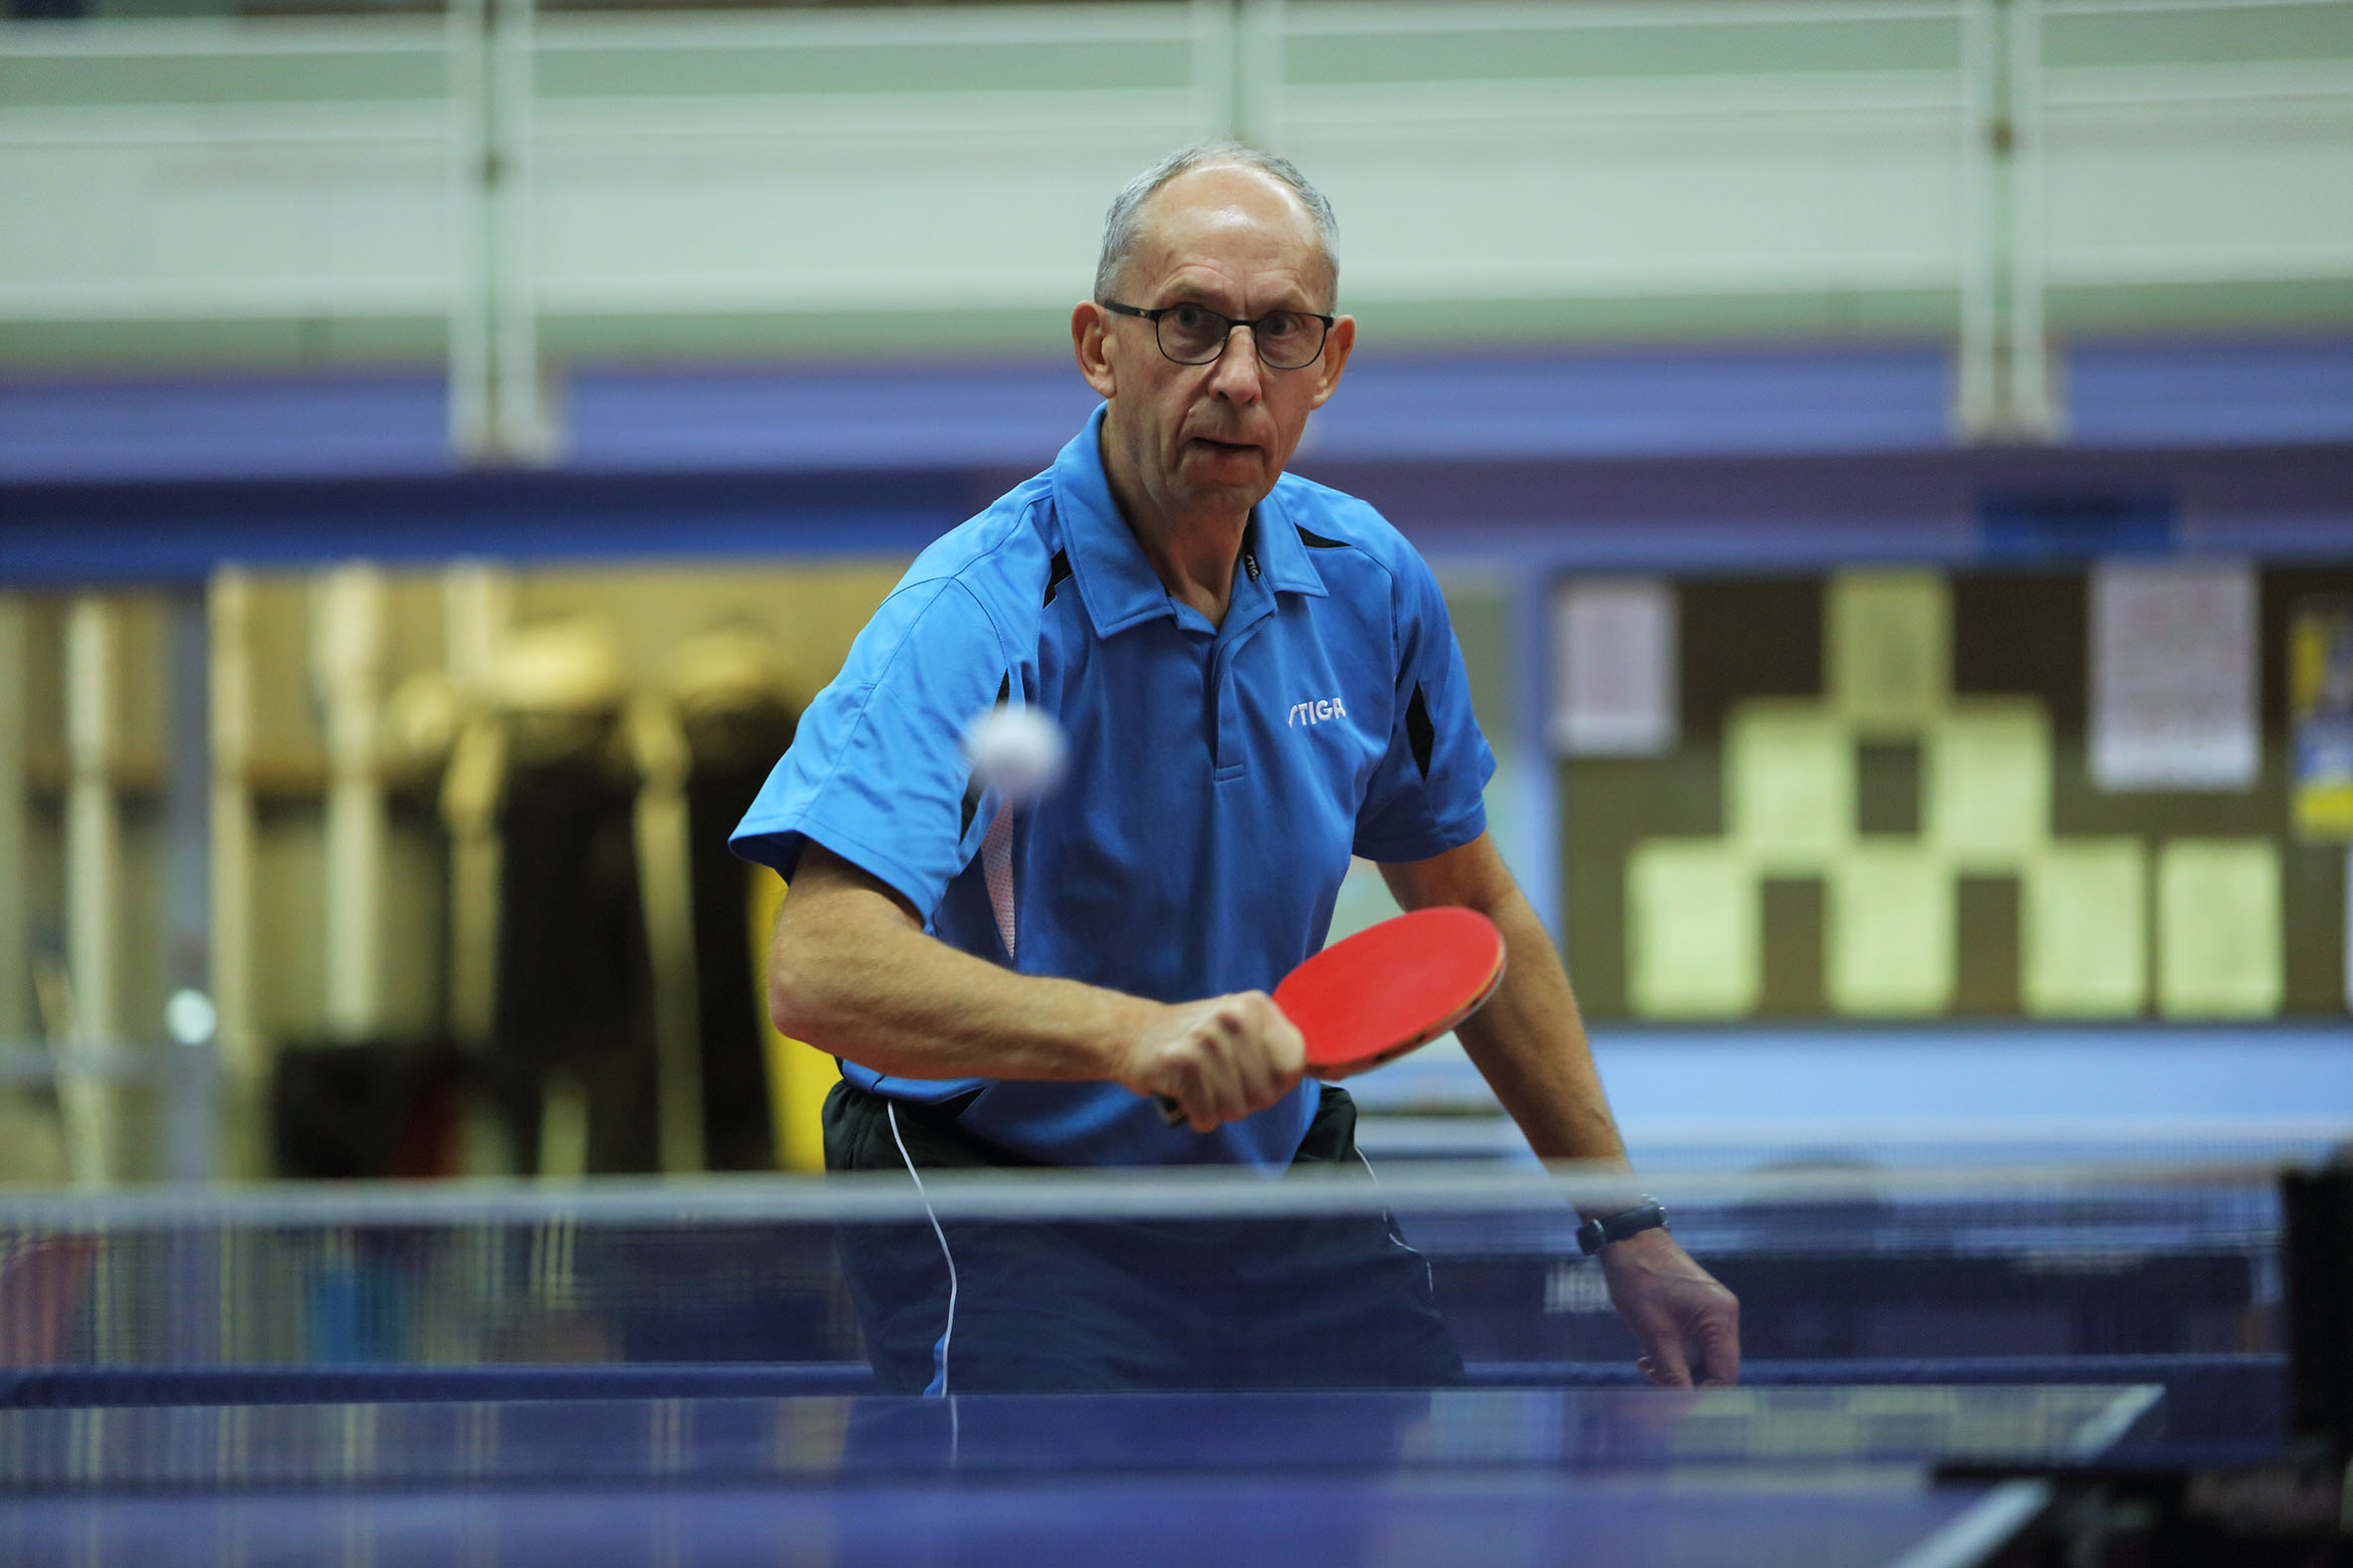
[(1594, 1234), (2317, 1251)]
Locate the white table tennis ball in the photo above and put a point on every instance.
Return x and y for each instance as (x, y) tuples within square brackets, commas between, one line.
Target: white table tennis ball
[(1017, 752)]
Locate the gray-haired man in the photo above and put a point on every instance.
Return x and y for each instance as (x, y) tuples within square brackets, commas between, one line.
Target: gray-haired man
[(1012, 988)]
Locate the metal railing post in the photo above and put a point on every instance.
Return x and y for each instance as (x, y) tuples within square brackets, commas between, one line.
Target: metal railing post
[(1258, 70), (2005, 387), (238, 1046), (191, 1020), (467, 82), (93, 900), (16, 978)]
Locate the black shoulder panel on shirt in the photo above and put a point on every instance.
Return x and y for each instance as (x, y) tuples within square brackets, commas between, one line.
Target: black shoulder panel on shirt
[(1319, 542), (1418, 733), (1054, 573)]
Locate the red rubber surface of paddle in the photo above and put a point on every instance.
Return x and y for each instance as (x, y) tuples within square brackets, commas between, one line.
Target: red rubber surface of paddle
[(1391, 988)]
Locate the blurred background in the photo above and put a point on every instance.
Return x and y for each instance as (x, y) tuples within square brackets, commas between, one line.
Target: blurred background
[(1890, 461)]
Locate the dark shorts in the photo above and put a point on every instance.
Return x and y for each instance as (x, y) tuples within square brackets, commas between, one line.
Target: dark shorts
[(1287, 1303)]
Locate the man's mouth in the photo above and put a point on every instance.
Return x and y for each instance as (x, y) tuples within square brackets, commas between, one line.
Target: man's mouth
[(1234, 448)]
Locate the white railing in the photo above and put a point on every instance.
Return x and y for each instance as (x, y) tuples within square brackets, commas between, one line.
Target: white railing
[(489, 172)]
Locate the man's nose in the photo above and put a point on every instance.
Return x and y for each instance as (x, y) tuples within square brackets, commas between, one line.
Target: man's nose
[(1238, 374)]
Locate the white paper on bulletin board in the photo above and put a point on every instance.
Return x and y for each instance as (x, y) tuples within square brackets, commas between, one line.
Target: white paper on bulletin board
[(2172, 676), (1614, 670)]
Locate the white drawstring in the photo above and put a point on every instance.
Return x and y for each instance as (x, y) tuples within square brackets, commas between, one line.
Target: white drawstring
[(939, 1377), (1429, 1276)]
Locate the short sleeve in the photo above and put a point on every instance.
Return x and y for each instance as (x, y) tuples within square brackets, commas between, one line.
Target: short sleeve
[(874, 773), (1426, 795)]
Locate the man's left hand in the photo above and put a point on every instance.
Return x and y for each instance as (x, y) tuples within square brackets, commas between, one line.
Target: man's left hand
[(1689, 1326)]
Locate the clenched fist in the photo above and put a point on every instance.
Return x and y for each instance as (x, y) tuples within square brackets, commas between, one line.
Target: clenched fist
[(1216, 1061)]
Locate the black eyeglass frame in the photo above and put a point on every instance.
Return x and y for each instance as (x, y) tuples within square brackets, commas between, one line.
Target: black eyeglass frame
[(1224, 338)]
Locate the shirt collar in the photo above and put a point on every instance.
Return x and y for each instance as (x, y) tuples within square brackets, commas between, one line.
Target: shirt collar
[(1283, 555), (1116, 581)]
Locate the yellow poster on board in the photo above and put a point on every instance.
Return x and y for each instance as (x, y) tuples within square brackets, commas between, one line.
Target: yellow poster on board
[(1890, 950), (2320, 714), (1986, 782), (2083, 950), (1890, 653), (1693, 947), (1788, 785), (2218, 928)]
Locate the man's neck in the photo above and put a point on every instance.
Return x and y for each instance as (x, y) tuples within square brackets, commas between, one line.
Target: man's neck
[(1195, 561), (1193, 554)]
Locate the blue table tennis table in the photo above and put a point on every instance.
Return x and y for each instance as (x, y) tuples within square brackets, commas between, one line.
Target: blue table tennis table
[(1832, 1477), (348, 1376)]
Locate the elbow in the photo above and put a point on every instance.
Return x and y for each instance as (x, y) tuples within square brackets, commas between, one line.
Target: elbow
[(796, 1014), (797, 993), (828, 954)]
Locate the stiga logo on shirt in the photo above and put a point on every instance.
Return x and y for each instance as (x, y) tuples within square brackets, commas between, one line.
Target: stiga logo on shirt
[(1316, 712)]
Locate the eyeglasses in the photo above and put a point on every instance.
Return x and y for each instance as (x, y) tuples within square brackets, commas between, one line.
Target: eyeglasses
[(1196, 334)]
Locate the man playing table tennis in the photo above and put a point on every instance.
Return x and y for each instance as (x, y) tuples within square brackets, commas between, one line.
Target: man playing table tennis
[(1257, 679)]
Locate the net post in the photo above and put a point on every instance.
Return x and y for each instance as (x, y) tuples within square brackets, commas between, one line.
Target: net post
[(2317, 1209)]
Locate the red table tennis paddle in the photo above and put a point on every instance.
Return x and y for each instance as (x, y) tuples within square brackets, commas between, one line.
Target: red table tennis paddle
[(1389, 988)]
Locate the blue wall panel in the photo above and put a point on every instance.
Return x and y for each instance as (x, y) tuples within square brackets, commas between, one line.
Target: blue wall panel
[(1687, 461)]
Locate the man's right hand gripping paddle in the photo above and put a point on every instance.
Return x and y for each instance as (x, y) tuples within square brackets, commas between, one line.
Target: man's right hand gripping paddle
[(1389, 988)]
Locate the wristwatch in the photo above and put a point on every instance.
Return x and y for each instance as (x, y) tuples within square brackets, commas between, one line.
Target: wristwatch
[(1594, 1234)]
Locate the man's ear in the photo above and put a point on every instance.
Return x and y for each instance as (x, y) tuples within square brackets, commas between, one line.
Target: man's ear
[(1089, 321), (1336, 344)]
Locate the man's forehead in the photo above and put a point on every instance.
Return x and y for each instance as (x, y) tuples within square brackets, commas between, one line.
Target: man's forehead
[(1227, 214), (1233, 189)]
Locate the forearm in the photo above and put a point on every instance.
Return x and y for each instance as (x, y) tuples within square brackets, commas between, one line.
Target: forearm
[(1528, 1043), (1534, 1054), (851, 973)]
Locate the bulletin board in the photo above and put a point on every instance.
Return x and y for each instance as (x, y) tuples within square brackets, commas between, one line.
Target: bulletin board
[(1915, 831)]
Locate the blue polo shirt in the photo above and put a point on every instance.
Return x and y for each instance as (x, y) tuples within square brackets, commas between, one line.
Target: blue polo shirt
[(1219, 777)]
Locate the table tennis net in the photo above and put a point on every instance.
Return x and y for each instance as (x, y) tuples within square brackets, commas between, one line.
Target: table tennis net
[(1835, 1267)]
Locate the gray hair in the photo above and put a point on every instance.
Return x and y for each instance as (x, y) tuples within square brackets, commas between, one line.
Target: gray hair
[(1121, 223)]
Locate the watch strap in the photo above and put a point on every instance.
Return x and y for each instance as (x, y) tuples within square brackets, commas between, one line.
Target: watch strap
[(1594, 1234)]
